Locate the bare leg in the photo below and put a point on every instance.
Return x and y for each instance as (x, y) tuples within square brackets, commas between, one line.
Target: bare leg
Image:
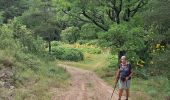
[(120, 93), (127, 93)]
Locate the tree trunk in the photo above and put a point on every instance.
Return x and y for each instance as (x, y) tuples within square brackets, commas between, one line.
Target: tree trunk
[(49, 46)]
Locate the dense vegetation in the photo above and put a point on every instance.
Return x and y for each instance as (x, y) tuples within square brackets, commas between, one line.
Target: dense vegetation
[(33, 33)]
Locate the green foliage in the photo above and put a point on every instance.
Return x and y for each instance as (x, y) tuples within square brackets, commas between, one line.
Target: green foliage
[(161, 64), (91, 50), (156, 87), (30, 65), (1, 17), (57, 43), (124, 37), (68, 54), (7, 40), (118, 35), (41, 18), (112, 59), (88, 31), (12, 9), (141, 73), (15, 35), (103, 13), (31, 70), (118, 29), (70, 35), (89, 42), (85, 48), (158, 14)]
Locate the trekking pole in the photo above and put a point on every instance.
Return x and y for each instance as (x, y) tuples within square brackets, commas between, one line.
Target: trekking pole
[(113, 91)]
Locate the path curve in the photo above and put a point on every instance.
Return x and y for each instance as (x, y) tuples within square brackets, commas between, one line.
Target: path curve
[(85, 85)]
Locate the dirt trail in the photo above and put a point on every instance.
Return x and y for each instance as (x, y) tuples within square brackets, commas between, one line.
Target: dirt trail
[(85, 85)]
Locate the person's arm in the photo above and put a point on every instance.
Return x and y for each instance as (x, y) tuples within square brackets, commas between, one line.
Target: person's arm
[(130, 75)]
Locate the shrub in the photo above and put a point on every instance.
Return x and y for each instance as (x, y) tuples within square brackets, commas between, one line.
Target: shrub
[(161, 64), (56, 43), (58, 52), (70, 35), (73, 55), (88, 31), (68, 54), (92, 50), (112, 61)]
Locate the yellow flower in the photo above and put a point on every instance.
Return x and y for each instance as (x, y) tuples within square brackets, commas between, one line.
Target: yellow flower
[(158, 45), (141, 65), (142, 61), (151, 62)]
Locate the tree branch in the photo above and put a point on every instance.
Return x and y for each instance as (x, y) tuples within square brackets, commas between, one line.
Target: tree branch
[(94, 21), (115, 11), (139, 5), (109, 13), (78, 17), (120, 5)]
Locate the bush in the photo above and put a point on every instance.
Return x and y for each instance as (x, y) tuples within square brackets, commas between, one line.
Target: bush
[(112, 61), (92, 50), (68, 54), (56, 43), (70, 35), (81, 41), (16, 36), (88, 31), (161, 64), (6, 38)]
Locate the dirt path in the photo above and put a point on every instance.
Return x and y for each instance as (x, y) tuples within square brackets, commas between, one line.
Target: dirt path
[(85, 85)]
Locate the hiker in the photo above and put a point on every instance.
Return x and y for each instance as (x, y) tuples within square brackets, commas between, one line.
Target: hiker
[(123, 77)]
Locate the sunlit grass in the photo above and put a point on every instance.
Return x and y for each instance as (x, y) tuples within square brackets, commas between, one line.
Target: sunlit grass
[(91, 61)]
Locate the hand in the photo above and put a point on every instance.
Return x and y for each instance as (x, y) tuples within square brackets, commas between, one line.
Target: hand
[(127, 78)]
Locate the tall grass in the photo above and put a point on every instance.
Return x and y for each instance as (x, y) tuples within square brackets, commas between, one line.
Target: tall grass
[(32, 72), (33, 76)]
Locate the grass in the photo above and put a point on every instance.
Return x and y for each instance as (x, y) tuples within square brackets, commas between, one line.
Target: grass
[(33, 77), (37, 85), (91, 61), (155, 88)]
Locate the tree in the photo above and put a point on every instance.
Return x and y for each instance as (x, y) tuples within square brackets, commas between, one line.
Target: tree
[(123, 38), (104, 13), (13, 8), (88, 32), (158, 18), (70, 35), (42, 19), (157, 22)]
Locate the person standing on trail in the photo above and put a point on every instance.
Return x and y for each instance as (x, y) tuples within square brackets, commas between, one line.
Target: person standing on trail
[(123, 77)]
